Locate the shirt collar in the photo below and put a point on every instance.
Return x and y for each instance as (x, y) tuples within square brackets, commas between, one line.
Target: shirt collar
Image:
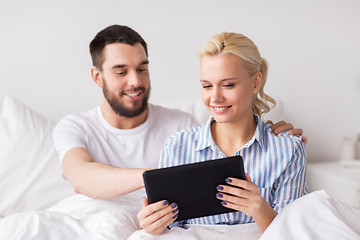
[(204, 137), (259, 135)]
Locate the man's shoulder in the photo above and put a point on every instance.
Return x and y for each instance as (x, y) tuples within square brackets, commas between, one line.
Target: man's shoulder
[(79, 118)]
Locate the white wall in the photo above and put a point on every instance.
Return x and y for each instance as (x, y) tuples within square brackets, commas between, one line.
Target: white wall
[(312, 46)]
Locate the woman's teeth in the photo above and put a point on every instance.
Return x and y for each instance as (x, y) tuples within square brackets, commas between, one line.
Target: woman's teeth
[(220, 108)]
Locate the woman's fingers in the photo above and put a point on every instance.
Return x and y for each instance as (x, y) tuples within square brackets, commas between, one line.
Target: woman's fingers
[(158, 216), (240, 183), (240, 188), (243, 198), (160, 222), (240, 195), (145, 202), (239, 192), (150, 209), (154, 218), (237, 207)]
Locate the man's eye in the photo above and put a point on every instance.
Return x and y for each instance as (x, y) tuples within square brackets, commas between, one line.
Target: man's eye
[(228, 85), (142, 69), (206, 86), (120, 73)]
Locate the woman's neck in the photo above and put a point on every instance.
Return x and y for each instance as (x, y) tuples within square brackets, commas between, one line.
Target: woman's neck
[(230, 137)]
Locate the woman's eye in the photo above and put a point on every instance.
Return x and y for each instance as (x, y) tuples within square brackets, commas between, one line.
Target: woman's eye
[(228, 85), (121, 73), (206, 86)]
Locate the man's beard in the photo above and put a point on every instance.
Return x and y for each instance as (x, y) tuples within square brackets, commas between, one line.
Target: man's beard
[(119, 108)]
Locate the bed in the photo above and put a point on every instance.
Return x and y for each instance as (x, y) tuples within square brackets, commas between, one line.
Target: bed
[(37, 203)]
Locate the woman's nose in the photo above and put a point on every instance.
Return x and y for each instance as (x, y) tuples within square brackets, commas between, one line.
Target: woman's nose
[(216, 95)]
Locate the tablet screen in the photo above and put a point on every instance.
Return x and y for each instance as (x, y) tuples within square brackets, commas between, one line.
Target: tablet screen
[(193, 186)]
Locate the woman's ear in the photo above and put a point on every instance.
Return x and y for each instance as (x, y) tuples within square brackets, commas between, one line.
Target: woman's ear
[(96, 76), (257, 82)]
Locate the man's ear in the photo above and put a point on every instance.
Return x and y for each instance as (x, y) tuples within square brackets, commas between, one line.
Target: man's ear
[(96, 76)]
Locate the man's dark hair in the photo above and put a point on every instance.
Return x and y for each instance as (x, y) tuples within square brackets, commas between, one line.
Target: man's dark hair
[(113, 34)]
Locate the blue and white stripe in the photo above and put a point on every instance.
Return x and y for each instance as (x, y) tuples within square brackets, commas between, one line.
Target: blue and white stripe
[(275, 163)]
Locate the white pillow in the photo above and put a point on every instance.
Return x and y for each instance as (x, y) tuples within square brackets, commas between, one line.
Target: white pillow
[(30, 174)]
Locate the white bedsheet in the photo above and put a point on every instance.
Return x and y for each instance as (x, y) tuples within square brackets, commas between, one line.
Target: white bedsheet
[(315, 216)]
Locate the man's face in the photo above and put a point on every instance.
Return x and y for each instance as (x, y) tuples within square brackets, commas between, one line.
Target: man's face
[(125, 77)]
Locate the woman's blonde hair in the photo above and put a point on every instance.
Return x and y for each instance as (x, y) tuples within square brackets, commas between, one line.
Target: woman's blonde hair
[(242, 47)]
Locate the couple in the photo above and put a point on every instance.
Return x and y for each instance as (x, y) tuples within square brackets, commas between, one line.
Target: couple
[(116, 142)]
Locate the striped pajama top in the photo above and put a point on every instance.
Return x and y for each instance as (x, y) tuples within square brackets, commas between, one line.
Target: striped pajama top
[(275, 163)]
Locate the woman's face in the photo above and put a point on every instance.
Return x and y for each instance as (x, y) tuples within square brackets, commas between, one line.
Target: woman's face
[(227, 89)]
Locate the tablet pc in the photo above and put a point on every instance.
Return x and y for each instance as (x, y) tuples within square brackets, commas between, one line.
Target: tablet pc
[(193, 186)]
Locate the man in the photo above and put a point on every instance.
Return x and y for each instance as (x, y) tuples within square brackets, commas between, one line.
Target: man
[(105, 151)]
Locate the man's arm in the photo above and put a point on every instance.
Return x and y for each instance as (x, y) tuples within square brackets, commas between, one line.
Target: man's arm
[(98, 180)]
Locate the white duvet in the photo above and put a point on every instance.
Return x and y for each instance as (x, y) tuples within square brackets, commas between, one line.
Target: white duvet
[(315, 216), (77, 217)]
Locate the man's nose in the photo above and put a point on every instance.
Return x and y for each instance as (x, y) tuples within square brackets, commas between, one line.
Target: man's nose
[(134, 79)]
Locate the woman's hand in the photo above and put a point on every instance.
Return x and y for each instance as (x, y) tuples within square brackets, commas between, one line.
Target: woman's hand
[(154, 218), (244, 196)]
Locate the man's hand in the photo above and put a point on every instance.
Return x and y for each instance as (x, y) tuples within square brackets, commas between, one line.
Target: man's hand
[(283, 126), (154, 218)]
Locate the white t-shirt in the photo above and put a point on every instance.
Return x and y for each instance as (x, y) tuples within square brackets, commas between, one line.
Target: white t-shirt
[(139, 147)]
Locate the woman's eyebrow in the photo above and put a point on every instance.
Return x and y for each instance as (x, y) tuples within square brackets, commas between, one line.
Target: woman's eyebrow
[(222, 80)]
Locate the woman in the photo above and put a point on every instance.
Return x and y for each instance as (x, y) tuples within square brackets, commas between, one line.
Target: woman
[(233, 76)]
